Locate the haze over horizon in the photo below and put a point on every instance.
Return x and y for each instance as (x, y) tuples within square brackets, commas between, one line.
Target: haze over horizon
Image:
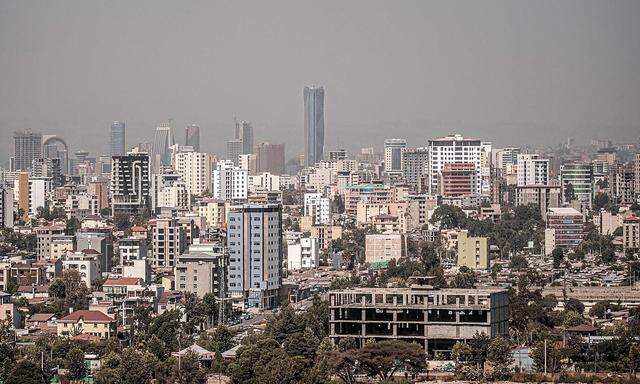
[(514, 73)]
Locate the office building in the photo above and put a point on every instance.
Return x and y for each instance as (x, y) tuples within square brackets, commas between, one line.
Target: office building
[(457, 149), (414, 167), (195, 170), (118, 138), (393, 155), (169, 240), (313, 124), (532, 170), (244, 133), (269, 158), (565, 229), (580, 177), (382, 248), (458, 179), (318, 207), (254, 242), (303, 253), (338, 154), (506, 159), (433, 318), (6, 207), (201, 272), (473, 252), (130, 183), (27, 147), (162, 142), (192, 137)]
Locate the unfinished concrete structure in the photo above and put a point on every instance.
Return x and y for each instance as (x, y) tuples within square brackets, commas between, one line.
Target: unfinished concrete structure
[(434, 318)]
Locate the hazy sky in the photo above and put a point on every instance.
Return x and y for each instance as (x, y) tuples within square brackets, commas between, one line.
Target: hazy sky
[(513, 72)]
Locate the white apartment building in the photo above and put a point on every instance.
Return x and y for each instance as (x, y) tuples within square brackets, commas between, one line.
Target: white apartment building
[(264, 182), (174, 196), (318, 207), (303, 253), (39, 188), (230, 182), (6, 208), (457, 149), (86, 263), (195, 170), (532, 170)]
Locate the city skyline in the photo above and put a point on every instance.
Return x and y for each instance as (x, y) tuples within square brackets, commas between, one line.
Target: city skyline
[(423, 86)]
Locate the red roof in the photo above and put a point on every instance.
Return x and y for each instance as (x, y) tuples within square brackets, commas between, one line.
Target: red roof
[(86, 315), (123, 281), (582, 328), (632, 219), (86, 337), (90, 251), (138, 228), (41, 317)]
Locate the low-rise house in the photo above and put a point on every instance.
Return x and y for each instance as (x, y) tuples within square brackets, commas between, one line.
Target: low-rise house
[(93, 323), (41, 320)]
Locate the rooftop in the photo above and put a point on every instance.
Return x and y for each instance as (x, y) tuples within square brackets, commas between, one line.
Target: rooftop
[(86, 315)]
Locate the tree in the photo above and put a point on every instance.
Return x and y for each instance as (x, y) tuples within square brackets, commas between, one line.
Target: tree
[(26, 372), (75, 364), (384, 358), (121, 221), (569, 193), (574, 305), (72, 226), (343, 364), (221, 340), (133, 369), (558, 257), (499, 355), (600, 200), (519, 262), (190, 371), (448, 217), (464, 279)]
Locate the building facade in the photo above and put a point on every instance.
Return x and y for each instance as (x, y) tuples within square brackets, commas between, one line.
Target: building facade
[(117, 138), (27, 147), (532, 170), (394, 155), (313, 124), (130, 183)]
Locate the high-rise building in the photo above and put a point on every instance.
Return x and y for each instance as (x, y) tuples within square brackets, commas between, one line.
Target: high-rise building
[(162, 142), (195, 170), (270, 158), (580, 177), (621, 180), (636, 177), (192, 137), (457, 149), (313, 124), (565, 229), (338, 154), (318, 207), (254, 241), (234, 150), (458, 179), (27, 147), (532, 170), (393, 155), (130, 183), (244, 133), (169, 241), (118, 138), (230, 182), (159, 181), (506, 159), (414, 167), (6, 207)]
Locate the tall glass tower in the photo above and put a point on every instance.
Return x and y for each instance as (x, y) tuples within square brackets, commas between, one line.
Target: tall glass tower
[(117, 138), (313, 124), (162, 141), (192, 136)]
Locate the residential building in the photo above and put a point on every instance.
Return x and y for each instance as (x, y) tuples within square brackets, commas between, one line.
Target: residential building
[(565, 229), (621, 179), (636, 178), (473, 252), (394, 155), (234, 150), (44, 239), (457, 149), (230, 183), (382, 248), (99, 241), (433, 318), (631, 233), (255, 254), (214, 211), (325, 234), (318, 207), (130, 183), (543, 196), (248, 162), (86, 263), (303, 253), (415, 162), (338, 154), (169, 240), (60, 245), (94, 323), (132, 248), (313, 124), (532, 170), (265, 182), (195, 170), (118, 138), (506, 160), (270, 158), (201, 272)]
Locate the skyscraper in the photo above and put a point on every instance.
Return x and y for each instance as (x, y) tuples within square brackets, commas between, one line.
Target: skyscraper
[(313, 124), (393, 155), (27, 147), (234, 149), (162, 141), (244, 133), (130, 183), (192, 136), (117, 138)]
